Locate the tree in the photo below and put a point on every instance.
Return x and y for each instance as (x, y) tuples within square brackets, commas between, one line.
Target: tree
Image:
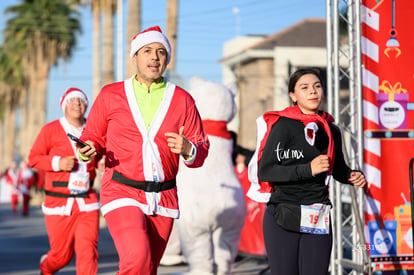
[(11, 87), (48, 29), (133, 27), (96, 14), (96, 7), (108, 9)]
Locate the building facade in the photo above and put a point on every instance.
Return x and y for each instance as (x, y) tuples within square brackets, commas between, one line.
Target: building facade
[(260, 66)]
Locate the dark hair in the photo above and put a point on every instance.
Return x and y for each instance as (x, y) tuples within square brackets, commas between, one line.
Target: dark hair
[(298, 74)]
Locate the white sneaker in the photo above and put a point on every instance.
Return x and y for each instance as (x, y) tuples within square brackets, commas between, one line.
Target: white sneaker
[(169, 260)]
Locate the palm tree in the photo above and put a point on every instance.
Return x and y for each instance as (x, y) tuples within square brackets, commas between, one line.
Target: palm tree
[(48, 28), (11, 86), (108, 9), (133, 27), (96, 38)]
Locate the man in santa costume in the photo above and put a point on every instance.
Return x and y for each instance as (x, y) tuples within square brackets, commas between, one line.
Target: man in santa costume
[(71, 206), (144, 125)]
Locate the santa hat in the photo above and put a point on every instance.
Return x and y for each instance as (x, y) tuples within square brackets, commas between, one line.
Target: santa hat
[(148, 36), (72, 93)]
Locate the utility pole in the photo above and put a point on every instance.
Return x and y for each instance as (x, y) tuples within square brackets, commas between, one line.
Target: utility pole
[(172, 23), (120, 44)]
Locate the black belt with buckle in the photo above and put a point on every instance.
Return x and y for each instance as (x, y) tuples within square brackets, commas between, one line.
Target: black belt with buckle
[(147, 186), (65, 183), (63, 195)]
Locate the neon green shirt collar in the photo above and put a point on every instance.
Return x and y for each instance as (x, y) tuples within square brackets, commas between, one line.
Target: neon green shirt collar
[(148, 99)]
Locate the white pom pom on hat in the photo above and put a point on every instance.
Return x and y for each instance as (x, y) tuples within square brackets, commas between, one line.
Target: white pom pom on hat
[(72, 93), (148, 36)]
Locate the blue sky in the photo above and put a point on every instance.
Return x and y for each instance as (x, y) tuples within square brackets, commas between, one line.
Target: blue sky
[(203, 27)]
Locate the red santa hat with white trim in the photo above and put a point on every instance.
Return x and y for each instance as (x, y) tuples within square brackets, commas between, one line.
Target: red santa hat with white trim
[(72, 93), (148, 36)]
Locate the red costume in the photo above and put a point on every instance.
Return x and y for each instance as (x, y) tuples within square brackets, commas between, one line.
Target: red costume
[(251, 237), (69, 215), (11, 180), (25, 179), (139, 154)]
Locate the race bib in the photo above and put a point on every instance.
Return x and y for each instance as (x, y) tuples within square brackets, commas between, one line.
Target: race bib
[(315, 218), (79, 180)]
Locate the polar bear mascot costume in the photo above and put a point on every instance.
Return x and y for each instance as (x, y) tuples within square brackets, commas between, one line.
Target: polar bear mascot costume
[(212, 201)]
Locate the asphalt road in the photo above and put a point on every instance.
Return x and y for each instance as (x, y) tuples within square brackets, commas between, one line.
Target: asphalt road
[(23, 241)]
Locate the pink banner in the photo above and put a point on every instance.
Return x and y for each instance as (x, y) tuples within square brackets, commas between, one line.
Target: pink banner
[(388, 94)]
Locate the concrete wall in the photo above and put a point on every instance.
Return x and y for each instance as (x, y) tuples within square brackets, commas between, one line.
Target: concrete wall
[(256, 97)]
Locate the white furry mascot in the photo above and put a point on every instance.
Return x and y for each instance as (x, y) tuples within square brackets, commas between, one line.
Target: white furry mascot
[(212, 201)]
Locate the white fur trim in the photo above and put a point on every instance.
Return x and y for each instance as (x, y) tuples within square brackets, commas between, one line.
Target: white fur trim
[(193, 155), (118, 203), (55, 163), (66, 210), (253, 191), (86, 207), (72, 94), (152, 163)]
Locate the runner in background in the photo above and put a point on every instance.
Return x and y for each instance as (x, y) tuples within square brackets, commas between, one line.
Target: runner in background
[(251, 237), (25, 181), (71, 206), (11, 175)]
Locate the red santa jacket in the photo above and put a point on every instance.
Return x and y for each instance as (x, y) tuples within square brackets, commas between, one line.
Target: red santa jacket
[(52, 143), (117, 128), (11, 179)]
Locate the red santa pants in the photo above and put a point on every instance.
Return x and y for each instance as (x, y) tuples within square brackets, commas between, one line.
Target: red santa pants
[(139, 239), (14, 200), (77, 233), (26, 201)]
